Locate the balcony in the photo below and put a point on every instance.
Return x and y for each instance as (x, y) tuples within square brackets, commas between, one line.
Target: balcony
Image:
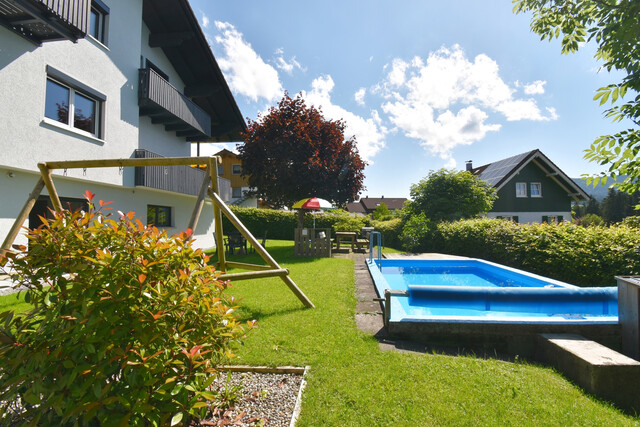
[(166, 105), (179, 179), (46, 20)]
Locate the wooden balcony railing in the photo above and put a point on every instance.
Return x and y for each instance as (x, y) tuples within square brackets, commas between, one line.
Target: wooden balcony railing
[(46, 20), (179, 179), (166, 105)]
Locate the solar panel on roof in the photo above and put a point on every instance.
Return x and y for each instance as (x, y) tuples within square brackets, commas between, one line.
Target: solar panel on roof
[(496, 171)]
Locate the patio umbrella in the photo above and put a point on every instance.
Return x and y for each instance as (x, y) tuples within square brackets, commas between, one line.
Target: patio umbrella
[(311, 203)]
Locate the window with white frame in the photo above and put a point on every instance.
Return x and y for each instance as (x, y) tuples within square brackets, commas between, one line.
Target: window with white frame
[(521, 189), (236, 169), (536, 189), (73, 104), (236, 192), (98, 19)]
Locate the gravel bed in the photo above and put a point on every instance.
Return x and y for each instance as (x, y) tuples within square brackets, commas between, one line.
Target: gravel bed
[(266, 399)]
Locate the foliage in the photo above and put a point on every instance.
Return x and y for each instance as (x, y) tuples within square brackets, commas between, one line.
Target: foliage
[(618, 205), (293, 152), (391, 231), (450, 195), (584, 256), (416, 233), (632, 221), (382, 212), (615, 28), (127, 324), (590, 220), (281, 224)]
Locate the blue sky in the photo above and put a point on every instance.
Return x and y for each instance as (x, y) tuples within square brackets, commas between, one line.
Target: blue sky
[(421, 84)]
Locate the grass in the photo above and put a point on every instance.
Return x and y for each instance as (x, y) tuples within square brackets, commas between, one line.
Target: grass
[(353, 383)]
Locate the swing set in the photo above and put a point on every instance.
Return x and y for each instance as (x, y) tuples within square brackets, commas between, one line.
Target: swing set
[(209, 187)]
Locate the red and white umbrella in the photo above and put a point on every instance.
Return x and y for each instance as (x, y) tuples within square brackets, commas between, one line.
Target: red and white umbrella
[(313, 203)]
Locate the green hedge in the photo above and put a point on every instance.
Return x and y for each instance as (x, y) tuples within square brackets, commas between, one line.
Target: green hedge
[(280, 224), (589, 256), (391, 231)]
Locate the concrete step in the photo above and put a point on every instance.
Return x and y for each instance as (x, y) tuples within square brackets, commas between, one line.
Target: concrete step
[(598, 369)]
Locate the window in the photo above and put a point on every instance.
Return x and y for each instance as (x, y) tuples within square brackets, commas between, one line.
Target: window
[(220, 170), (73, 104), (552, 219), (98, 21), (513, 218), (536, 189), (157, 69), (236, 192), (236, 169), (160, 216), (521, 189)]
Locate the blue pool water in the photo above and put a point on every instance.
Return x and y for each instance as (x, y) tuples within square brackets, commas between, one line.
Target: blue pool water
[(480, 291)]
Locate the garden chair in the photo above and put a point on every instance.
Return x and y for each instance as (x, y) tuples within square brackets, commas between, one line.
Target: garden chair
[(235, 241)]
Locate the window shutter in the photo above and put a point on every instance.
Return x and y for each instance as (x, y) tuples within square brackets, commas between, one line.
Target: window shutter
[(545, 218), (515, 219), (559, 219)]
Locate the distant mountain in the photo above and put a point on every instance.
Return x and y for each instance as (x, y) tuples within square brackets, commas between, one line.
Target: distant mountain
[(599, 192)]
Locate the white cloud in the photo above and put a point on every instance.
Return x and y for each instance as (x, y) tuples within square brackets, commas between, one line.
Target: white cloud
[(287, 66), (359, 95), (369, 132), (247, 73), (444, 100), (535, 88), (204, 20)]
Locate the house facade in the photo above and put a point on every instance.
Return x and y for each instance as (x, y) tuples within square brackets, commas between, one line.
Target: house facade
[(231, 170), (531, 188), (106, 79)]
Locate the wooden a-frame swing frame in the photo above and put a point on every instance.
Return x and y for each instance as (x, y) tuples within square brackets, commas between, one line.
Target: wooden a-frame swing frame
[(209, 187)]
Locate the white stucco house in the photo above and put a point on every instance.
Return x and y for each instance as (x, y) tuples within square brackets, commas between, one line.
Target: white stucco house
[(106, 79)]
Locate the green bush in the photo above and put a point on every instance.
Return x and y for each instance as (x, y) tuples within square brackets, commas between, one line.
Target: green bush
[(632, 221), (391, 231), (127, 326), (590, 220), (417, 233), (584, 256)]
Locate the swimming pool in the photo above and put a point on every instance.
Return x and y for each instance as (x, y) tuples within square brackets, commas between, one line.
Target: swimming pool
[(478, 291)]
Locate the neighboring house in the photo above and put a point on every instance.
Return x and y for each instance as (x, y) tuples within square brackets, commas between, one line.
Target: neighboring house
[(367, 205), (531, 188), (104, 79), (231, 169)]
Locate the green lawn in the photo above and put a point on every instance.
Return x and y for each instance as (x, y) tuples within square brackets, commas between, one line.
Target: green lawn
[(353, 383)]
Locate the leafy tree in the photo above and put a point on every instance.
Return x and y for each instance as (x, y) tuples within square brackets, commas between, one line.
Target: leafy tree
[(615, 28), (451, 195), (382, 212), (293, 152)]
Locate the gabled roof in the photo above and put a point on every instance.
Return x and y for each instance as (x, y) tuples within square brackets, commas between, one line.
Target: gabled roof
[(355, 207), (499, 173), (175, 29), (370, 203)]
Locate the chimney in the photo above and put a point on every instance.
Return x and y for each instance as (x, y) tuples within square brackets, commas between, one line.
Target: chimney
[(382, 197), (469, 165)]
